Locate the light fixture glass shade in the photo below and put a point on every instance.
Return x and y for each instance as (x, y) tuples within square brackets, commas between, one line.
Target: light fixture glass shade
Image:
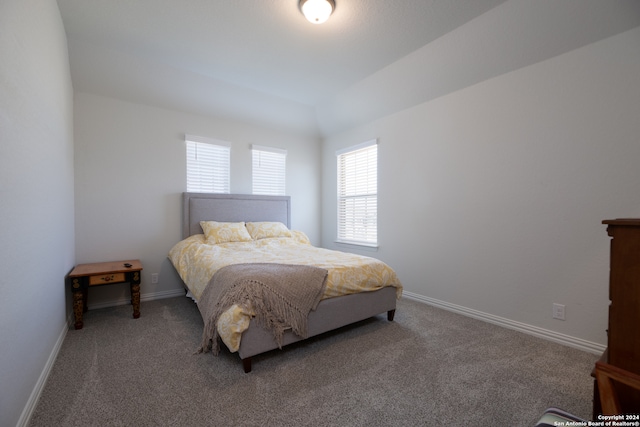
[(317, 11)]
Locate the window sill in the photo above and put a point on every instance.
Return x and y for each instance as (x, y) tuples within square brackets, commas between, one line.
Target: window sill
[(373, 247)]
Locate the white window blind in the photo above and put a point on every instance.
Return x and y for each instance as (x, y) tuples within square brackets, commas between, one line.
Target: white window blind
[(208, 165), (269, 166), (358, 194)]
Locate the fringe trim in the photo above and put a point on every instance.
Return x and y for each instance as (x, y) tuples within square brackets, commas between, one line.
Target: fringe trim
[(272, 312)]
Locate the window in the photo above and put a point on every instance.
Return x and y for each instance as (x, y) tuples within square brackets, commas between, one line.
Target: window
[(358, 194), (208, 165), (269, 165)]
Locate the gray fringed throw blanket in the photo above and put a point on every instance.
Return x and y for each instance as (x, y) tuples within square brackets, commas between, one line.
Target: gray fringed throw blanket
[(280, 295)]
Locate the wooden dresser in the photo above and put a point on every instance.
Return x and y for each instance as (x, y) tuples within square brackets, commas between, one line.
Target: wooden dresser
[(623, 337)]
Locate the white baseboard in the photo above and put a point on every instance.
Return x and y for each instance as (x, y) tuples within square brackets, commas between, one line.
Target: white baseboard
[(143, 297), (27, 412), (567, 340)]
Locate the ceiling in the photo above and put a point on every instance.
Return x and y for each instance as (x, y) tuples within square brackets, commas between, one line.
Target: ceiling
[(260, 61)]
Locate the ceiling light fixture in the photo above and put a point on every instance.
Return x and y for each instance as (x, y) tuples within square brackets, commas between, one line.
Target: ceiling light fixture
[(317, 11)]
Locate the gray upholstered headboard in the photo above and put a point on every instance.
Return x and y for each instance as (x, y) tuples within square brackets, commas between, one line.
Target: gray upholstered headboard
[(198, 207)]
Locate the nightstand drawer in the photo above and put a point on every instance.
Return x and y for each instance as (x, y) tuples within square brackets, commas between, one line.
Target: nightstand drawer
[(106, 278)]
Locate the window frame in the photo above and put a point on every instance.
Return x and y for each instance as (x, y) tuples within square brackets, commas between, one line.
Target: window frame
[(272, 178), (346, 234), (221, 153)]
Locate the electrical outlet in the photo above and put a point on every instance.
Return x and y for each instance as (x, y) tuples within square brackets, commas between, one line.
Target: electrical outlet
[(154, 278), (558, 311)]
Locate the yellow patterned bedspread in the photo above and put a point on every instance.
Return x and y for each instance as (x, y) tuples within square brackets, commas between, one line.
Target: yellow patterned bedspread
[(196, 262)]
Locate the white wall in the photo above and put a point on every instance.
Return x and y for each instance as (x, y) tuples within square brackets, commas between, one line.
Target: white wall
[(36, 189), (131, 170), (491, 198)]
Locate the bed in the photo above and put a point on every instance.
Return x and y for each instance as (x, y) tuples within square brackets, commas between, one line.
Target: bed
[(335, 309)]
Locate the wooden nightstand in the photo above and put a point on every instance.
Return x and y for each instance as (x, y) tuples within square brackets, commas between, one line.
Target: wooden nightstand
[(84, 276)]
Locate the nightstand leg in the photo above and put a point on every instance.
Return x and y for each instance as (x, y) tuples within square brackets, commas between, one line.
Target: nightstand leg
[(85, 298), (78, 308), (135, 299)]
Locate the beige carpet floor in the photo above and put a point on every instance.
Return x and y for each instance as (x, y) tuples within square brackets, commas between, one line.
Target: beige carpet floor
[(429, 367)]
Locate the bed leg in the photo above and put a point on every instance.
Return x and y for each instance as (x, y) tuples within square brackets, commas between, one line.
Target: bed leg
[(246, 364), (390, 315)]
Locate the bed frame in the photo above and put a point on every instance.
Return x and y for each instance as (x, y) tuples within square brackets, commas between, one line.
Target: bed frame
[(330, 314)]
